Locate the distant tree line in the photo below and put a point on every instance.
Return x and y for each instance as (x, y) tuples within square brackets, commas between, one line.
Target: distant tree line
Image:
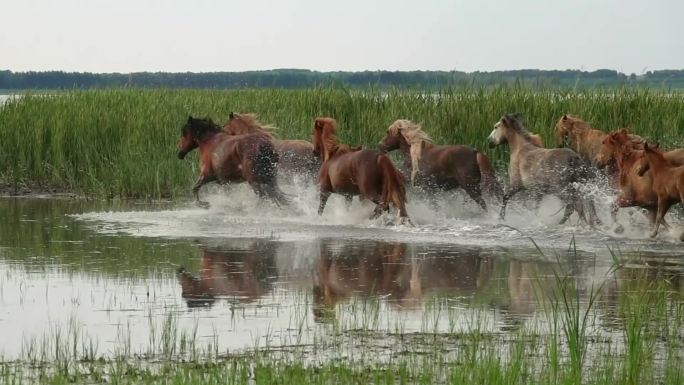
[(296, 78)]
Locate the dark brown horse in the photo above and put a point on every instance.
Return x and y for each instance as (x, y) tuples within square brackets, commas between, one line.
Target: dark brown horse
[(623, 150), (540, 170), (349, 171), (444, 167), (226, 158), (296, 157), (668, 181)]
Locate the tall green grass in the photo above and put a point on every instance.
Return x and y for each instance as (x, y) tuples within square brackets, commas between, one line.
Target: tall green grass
[(121, 142)]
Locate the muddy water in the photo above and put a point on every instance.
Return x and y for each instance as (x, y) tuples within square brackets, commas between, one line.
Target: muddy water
[(241, 275)]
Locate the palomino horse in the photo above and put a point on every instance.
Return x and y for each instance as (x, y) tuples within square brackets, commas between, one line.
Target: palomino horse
[(441, 167), (349, 172), (245, 273), (582, 138), (668, 181), (295, 156), (620, 148), (543, 171), (226, 158)]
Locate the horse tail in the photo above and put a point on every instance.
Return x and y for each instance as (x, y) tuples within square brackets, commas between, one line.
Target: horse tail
[(265, 170), (489, 183), (393, 185)]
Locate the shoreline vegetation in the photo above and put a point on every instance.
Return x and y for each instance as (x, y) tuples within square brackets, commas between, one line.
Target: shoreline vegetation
[(301, 78), (121, 143)]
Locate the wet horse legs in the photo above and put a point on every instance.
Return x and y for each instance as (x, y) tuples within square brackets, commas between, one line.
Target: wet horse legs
[(507, 196), (201, 181)]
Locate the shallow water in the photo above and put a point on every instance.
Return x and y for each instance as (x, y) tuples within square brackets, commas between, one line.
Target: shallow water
[(242, 274)]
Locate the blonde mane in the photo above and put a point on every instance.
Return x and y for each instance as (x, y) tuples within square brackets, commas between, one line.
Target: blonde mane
[(328, 139), (252, 124), (415, 137)]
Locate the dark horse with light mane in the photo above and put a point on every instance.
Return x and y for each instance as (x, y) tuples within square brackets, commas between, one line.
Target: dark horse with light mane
[(296, 157), (444, 167), (354, 171), (226, 158), (540, 170)]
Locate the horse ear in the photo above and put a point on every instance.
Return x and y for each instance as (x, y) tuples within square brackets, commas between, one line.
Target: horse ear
[(565, 117), (231, 115), (189, 118), (318, 124)]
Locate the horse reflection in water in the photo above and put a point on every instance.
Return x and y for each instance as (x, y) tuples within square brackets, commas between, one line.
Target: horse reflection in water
[(392, 272), (244, 275)]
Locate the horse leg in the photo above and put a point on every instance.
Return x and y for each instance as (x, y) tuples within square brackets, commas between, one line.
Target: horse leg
[(569, 209), (348, 198), (593, 217), (663, 206), (507, 196), (614, 207), (652, 213), (475, 193), (324, 199), (201, 181)]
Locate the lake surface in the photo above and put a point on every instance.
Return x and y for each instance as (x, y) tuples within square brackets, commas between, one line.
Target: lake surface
[(242, 275)]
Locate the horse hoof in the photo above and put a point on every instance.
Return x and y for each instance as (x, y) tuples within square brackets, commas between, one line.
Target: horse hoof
[(204, 205), (653, 235), (681, 237), (407, 222), (619, 229)]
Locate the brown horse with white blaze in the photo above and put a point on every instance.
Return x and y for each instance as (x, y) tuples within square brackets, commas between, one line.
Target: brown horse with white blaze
[(352, 171), (540, 170), (226, 158), (296, 157), (668, 181), (443, 167)]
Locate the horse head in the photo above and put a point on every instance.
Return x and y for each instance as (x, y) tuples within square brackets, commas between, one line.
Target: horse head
[(502, 128), (611, 146), (192, 133), (647, 159), (393, 139)]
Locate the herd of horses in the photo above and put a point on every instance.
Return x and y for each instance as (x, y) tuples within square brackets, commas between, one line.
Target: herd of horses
[(246, 150)]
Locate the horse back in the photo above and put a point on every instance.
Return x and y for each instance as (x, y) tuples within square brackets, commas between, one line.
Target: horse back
[(450, 162)]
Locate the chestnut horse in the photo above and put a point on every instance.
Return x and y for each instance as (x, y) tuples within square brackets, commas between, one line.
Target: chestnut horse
[(444, 167), (620, 148), (668, 181), (349, 172), (540, 170), (226, 158), (295, 156)]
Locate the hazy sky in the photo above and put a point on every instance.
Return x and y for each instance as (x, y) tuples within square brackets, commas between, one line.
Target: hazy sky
[(213, 35)]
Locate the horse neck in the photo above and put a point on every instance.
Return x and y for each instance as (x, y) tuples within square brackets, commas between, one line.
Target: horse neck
[(657, 162), (517, 142), (205, 140)]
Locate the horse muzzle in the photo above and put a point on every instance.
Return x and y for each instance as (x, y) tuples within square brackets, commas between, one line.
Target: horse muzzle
[(181, 154), (382, 147), (492, 143)]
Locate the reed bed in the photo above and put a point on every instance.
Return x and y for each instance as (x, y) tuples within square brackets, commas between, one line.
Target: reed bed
[(121, 142)]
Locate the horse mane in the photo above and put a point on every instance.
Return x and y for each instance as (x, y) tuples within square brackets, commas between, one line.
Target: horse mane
[(415, 137), (576, 123), (199, 126), (517, 122), (329, 139), (251, 120)]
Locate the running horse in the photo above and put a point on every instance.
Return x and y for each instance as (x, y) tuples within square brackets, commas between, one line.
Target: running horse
[(296, 157), (226, 158), (668, 181), (354, 171), (540, 170), (620, 148), (445, 167)]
